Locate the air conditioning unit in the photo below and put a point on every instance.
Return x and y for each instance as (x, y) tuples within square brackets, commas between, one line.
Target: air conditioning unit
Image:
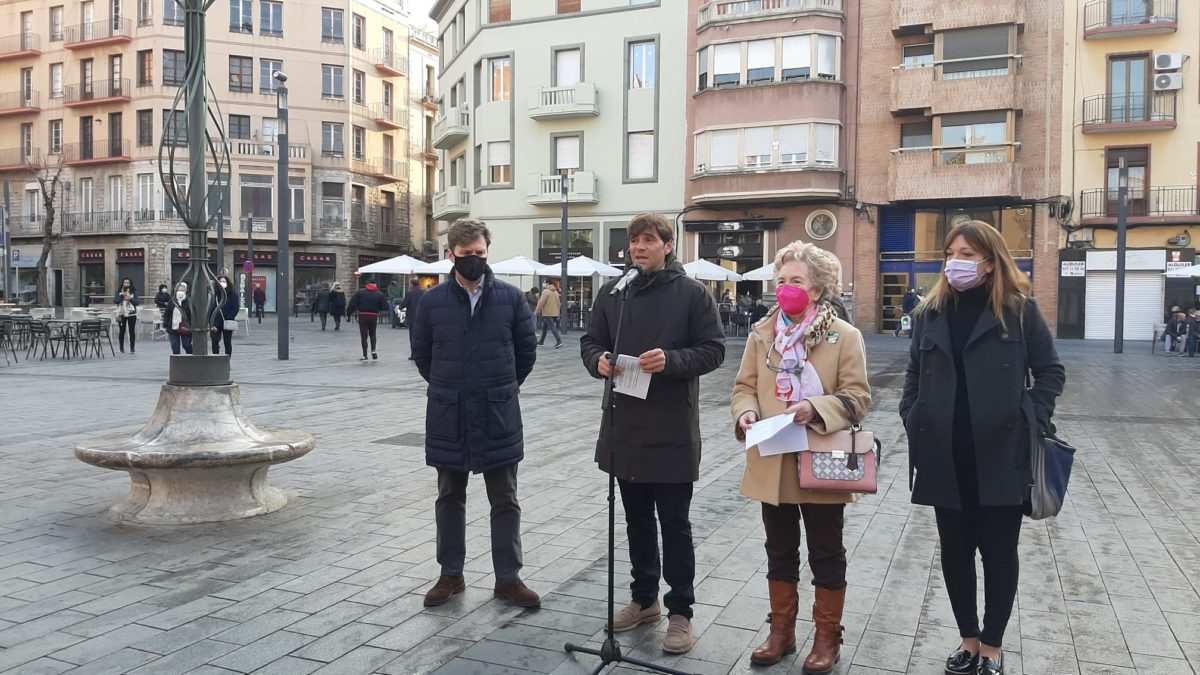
[(1168, 82), (1169, 61)]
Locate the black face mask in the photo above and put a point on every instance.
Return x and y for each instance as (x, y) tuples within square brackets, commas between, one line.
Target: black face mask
[(470, 267)]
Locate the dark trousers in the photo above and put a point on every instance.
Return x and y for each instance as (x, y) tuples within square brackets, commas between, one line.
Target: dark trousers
[(216, 341), (994, 532), (826, 555), (258, 311), (178, 342), (337, 321), (131, 324), (366, 328), (678, 564), (450, 512), (395, 316), (550, 323)]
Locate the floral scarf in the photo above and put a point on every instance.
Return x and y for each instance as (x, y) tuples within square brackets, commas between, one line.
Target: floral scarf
[(793, 342)]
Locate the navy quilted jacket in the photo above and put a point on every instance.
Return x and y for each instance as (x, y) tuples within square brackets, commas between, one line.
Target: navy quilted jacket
[(474, 364)]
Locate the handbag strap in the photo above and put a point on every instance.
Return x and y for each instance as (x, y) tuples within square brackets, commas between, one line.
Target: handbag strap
[(855, 427)]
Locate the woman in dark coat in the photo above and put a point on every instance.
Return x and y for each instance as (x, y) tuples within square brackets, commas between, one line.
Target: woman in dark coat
[(337, 305), (965, 408), (228, 311)]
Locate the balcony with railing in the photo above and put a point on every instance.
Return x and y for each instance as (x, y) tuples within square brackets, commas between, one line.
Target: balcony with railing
[(958, 85), (389, 62), (24, 225), (912, 17), (389, 115), (1129, 112), (19, 103), (97, 92), (945, 172), (97, 152), (576, 100), (452, 129), (799, 176), (256, 224), (389, 169), (454, 202), (1147, 205), (20, 46), (724, 11), (248, 148), (98, 222), (547, 189), (331, 223), (99, 34), (20, 159), (1119, 18)]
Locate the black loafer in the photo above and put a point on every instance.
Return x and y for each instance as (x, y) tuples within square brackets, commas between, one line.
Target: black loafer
[(990, 667), (962, 662)]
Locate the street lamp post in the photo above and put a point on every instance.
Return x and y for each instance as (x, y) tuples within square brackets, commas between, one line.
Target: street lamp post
[(1122, 230), (566, 287), (248, 266), (283, 286)]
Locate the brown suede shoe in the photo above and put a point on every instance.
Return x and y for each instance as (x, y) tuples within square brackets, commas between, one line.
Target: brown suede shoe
[(444, 589), (517, 593)]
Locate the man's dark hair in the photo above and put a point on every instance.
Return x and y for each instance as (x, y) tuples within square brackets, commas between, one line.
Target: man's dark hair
[(467, 230), (653, 222), (415, 282)]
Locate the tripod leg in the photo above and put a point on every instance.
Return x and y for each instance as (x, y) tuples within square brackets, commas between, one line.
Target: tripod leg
[(651, 666)]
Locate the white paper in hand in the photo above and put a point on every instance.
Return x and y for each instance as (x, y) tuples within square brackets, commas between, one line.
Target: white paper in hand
[(777, 435), (631, 380)]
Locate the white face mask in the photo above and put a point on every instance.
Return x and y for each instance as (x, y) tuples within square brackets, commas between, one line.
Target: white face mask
[(180, 296), (223, 284)]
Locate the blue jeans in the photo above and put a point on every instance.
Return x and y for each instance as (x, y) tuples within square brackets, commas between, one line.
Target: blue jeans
[(178, 341)]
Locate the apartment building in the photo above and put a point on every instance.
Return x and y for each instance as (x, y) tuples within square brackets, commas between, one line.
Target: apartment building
[(538, 92), (89, 86), (1129, 94), (772, 101), (423, 107), (959, 108)]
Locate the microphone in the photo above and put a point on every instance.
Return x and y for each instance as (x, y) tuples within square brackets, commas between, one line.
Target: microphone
[(626, 280)]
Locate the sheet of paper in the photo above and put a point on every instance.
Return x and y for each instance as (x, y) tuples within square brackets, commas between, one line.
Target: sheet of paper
[(777, 435), (631, 380)]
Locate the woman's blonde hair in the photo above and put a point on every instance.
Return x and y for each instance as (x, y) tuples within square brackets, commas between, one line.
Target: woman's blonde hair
[(1007, 285), (823, 266)]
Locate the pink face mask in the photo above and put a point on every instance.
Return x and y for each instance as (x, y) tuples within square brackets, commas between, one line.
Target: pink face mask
[(792, 299)]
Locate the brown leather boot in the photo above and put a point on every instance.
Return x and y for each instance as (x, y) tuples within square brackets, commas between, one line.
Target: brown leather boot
[(785, 604), (442, 591), (827, 615), (517, 593)]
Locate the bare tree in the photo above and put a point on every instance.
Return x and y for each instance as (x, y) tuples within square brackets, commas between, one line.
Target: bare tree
[(49, 179)]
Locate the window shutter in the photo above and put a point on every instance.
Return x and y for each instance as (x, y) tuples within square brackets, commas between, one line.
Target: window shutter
[(727, 58), (826, 144), (758, 143), (566, 67), (641, 155), (793, 143), (566, 152), (499, 153), (827, 56), (797, 51), (761, 54), (724, 148)]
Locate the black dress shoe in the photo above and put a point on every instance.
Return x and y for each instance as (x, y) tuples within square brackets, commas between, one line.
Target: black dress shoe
[(962, 662), (990, 667)]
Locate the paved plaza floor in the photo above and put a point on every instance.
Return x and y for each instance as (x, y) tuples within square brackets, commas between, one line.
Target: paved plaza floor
[(333, 582)]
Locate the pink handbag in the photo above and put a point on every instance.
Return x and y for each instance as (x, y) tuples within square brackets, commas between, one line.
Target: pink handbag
[(843, 461)]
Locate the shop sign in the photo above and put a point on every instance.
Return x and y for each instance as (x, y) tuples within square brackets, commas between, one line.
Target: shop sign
[(1074, 268), (263, 258), (315, 260), (130, 255), (91, 256)]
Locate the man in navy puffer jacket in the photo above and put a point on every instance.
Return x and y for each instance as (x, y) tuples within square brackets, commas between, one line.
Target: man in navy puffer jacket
[(473, 341)]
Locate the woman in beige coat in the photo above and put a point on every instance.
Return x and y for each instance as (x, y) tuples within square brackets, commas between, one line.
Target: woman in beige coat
[(799, 359)]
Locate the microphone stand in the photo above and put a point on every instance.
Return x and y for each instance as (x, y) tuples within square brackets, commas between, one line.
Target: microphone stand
[(610, 651)]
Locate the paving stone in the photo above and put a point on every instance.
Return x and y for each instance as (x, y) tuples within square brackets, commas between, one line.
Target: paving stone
[(428, 656), (186, 659), (114, 640), (261, 652), (522, 658), (340, 641)]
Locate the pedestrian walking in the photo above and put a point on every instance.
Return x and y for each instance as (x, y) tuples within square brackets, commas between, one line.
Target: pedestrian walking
[(368, 303), (323, 303), (395, 296), (178, 322), (126, 299), (337, 305), (260, 301), (806, 362), (976, 337), (907, 305), (224, 318), (671, 322), (548, 308), (532, 297), (473, 342)]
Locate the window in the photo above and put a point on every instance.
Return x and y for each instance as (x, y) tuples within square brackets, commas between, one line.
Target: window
[(639, 153), (56, 23), (257, 194), (114, 71), (239, 126), (241, 73), (33, 199), (1128, 81), (499, 10), (727, 64), (568, 155), (358, 206), (702, 69), (499, 163), (758, 141), (27, 87), (825, 147), (797, 57), (1137, 161), (567, 67), (266, 83), (760, 61), (358, 32), (145, 128), (56, 137), (500, 77), (173, 67), (332, 139), (642, 65), (333, 203), (332, 84), (172, 13), (331, 25), (918, 56), (174, 128), (219, 204), (56, 80), (296, 189), (793, 144), (145, 68), (962, 52), (145, 14), (460, 32), (359, 85), (975, 129), (358, 142), (827, 57), (724, 149), (241, 16), (270, 16), (568, 6), (116, 193), (145, 195), (916, 135), (387, 210)]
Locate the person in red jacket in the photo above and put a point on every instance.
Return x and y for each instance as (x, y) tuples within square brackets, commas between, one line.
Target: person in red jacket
[(369, 303)]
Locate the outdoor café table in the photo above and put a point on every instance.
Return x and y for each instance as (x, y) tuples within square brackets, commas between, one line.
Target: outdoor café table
[(68, 329)]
